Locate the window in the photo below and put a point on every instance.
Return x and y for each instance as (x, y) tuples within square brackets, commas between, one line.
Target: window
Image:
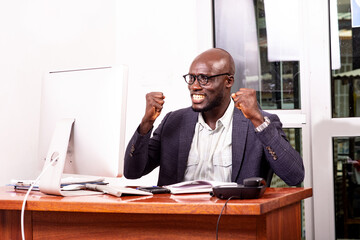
[(277, 83), (346, 80), (347, 186)]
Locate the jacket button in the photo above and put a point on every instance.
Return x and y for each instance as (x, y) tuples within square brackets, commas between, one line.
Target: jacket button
[(272, 153)]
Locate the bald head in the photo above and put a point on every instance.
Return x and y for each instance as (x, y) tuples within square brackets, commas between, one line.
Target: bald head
[(213, 97), (219, 60)]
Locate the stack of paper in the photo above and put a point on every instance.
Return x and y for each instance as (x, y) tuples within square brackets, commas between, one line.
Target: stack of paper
[(67, 183)]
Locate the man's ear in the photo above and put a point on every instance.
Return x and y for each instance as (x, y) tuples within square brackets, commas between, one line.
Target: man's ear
[(230, 81)]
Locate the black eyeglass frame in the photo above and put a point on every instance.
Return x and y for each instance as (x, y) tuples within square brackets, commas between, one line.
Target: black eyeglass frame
[(204, 77)]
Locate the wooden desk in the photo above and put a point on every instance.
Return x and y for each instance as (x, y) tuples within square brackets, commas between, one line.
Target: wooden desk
[(276, 215)]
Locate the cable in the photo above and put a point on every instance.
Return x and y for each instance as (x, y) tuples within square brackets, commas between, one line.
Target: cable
[(218, 221), (28, 192)]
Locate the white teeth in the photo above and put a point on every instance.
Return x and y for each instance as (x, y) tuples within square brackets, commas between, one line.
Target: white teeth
[(198, 97)]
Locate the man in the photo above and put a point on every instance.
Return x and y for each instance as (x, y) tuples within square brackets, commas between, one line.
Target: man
[(222, 137)]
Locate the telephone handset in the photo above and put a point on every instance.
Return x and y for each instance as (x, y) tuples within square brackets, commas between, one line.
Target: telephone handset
[(251, 188), (254, 182)]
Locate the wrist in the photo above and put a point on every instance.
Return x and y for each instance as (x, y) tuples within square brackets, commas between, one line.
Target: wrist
[(145, 127), (264, 125)]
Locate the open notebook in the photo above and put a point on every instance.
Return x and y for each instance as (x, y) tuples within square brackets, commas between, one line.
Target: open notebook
[(196, 186)]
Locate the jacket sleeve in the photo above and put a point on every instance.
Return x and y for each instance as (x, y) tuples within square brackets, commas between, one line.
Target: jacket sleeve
[(281, 156), (142, 154)]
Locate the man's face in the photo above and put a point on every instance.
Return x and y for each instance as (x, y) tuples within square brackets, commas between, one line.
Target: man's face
[(207, 97)]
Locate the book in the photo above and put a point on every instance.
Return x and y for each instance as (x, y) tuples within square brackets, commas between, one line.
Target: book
[(196, 186)]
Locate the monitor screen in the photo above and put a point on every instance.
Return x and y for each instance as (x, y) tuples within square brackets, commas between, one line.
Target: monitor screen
[(95, 99)]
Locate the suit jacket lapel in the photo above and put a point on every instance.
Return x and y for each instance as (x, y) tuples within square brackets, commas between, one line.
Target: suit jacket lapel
[(239, 134), (187, 130)]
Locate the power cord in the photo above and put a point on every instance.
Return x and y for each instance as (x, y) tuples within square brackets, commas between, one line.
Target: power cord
[(218, 221), (28, 192)]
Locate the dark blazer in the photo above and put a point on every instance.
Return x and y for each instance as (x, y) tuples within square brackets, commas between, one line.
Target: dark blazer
[(252, 153)]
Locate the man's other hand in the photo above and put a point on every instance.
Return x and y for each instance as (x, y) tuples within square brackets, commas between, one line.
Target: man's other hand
[(245, 100)]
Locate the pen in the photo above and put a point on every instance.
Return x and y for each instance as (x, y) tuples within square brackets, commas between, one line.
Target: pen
[(139, 188)]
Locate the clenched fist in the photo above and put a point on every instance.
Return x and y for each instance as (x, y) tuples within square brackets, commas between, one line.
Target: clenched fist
[(245, 100), (154, 105)]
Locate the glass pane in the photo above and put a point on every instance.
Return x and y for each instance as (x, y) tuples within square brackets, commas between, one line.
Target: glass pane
[(346, 80), (240, 28), (347, 187)]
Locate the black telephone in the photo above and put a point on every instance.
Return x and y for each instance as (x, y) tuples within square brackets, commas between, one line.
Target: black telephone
[(251, 188)]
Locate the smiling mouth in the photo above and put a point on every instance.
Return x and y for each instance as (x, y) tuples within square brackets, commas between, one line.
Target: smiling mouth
[(197, 98)]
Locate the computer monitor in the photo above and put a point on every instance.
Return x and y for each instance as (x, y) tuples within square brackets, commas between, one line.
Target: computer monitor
[(82, 124)]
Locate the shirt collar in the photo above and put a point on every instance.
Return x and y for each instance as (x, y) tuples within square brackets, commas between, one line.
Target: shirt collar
[(225, 120)]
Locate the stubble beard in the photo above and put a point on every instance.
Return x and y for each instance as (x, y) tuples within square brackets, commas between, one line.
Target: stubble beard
[(215, 103)]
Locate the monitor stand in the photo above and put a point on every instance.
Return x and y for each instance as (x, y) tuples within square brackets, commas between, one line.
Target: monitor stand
[(61, 142)]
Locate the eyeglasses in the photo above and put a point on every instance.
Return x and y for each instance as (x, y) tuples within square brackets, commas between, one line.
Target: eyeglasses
[(202, 79)]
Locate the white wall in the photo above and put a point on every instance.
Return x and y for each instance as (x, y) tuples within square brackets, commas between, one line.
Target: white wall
[(38, 35), (156, 39)]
